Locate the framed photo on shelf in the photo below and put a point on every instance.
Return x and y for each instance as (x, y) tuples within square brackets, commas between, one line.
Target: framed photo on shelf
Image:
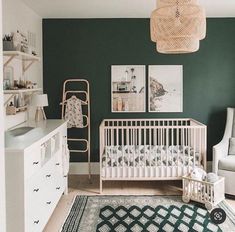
[(165, 88), (128, 88)]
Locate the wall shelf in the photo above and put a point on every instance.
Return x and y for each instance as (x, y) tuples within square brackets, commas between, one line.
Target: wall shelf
[(27, 59), (13, 93), (18, 91)]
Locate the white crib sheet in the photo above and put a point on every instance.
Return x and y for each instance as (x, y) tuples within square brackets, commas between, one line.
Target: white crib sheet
[(149, 156)]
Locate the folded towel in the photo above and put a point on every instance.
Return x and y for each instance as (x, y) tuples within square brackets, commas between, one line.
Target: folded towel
[(73, 112)]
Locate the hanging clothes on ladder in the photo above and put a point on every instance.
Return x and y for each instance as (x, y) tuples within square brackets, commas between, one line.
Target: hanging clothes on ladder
[(76, 110), (73, 112)]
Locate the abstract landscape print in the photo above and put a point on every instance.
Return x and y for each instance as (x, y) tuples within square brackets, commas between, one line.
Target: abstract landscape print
[(165, 86)]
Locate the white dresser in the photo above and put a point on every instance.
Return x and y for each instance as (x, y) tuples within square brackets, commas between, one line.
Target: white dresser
[(35, 179)]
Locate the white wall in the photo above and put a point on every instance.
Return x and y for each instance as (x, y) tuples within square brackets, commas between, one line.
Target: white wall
[(2, 155), (18, 16)]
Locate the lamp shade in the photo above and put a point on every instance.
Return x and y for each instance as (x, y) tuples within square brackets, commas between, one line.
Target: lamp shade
[(40, 100), (177, 26)]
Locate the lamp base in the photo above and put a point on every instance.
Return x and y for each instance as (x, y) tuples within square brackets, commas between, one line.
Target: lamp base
[(40, 114)]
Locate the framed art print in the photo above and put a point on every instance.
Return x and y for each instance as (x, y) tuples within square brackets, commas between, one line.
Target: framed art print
[(128, 88), (165, 88)]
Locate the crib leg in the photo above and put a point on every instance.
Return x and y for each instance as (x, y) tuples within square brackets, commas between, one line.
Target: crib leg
[(101, 186)]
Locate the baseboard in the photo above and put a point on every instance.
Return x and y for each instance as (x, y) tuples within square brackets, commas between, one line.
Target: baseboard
[(82, 168)]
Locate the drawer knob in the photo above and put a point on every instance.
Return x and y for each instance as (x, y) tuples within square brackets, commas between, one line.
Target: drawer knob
[(48, 202), (48, 176), (57, 188), (36, 222), (57, 164), (35, 163), (36, 190)]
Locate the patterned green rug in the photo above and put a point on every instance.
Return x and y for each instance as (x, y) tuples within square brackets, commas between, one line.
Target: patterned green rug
[(142, 213)]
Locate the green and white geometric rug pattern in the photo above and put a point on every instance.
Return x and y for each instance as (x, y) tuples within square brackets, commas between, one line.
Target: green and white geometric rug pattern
[(142, 213)]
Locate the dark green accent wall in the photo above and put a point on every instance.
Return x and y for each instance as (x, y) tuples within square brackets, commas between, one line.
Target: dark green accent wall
[(86, 48)]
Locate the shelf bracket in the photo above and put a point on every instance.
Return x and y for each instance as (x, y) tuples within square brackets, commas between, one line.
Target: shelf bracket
[(9, 60), (12, 96), (27, 66)]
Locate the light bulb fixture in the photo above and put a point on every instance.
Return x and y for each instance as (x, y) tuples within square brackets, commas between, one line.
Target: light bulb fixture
[(177, 26)]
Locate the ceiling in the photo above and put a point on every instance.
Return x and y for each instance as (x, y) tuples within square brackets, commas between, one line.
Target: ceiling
[(117, 8)]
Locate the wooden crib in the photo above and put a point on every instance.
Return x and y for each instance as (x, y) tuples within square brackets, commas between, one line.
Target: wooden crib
[(150, 149)]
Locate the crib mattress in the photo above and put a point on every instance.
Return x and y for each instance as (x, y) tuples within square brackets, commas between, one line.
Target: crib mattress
[(150, 156)]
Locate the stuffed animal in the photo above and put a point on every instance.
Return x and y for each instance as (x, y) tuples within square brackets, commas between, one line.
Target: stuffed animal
[(198, 174), (211, 177)]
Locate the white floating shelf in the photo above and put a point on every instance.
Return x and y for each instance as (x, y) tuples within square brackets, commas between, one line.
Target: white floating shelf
[(12, 93), (17, 91), (27, 59)]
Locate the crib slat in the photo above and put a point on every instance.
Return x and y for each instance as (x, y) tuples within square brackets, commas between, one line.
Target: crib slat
[(106, 155), (162, 140), (177, 141), (183, 137), (194, 147), (135, 144), (117, 144), (128, 153), (167, 151), (113, 155), (140, 142), (122, 152), (156, 155), (150, 151), (145, 150), (189, 147)]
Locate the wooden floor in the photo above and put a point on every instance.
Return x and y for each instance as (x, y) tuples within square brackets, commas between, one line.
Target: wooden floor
[(79, 185)]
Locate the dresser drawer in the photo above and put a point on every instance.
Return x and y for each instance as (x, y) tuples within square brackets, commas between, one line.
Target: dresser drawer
[(32, 161), (59, 185), (35, 224), (34, 192), (36, 221), (34, 211)]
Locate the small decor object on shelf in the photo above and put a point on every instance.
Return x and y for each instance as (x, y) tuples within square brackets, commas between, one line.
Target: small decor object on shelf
[(128, 88), (20, 42), (177, 26), (30, 85), (6, 84), (40, 100), (208, 189), (8, 43), (11, 109), (165, 88), (8, 77)]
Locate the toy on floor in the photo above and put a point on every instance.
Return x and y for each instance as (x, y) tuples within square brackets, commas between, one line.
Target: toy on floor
[(204, 188), (198, 174)]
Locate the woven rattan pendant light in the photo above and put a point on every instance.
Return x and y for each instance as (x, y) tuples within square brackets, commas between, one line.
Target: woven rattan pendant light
[(177, 26)]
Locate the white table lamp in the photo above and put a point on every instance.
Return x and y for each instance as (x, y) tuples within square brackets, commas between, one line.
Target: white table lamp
[(40, 100)]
